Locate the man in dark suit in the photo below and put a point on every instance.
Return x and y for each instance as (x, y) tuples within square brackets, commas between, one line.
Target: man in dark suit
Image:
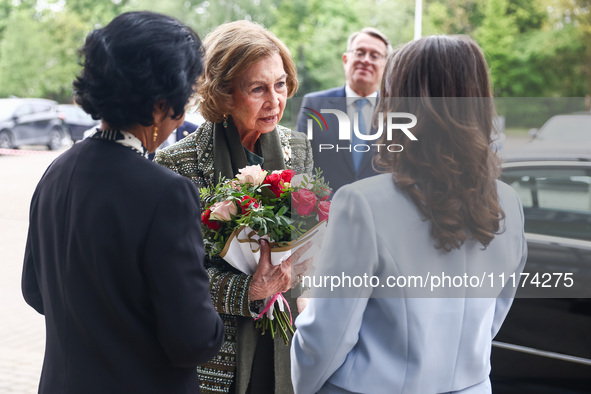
[(184, 130), (181, 132), (364, 63)]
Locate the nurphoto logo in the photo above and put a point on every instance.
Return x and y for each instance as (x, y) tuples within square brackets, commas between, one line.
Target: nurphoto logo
[(392, 124)]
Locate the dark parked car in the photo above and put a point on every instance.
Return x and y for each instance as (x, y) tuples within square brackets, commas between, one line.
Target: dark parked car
[(77, 121), (544, 346), (30, 122)]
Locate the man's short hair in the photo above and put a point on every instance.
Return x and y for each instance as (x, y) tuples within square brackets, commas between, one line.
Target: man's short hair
[(374, 33)]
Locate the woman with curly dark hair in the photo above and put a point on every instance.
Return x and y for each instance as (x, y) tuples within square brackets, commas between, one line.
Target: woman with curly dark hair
[(114, 256), (426, 234)]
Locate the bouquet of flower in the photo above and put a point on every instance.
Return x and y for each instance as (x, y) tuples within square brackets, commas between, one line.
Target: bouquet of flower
[(285, 209)]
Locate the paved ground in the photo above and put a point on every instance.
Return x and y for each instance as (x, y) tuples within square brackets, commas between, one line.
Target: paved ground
[(22, 332)]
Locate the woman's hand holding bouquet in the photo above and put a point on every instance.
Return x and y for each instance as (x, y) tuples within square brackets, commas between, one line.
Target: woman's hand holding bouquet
[(246, 217)]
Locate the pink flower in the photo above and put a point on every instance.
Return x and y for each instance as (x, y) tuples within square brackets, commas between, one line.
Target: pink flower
[(205, 219), (234, 184), (223, 210), (322, 209), (303, 202), (254, 175)]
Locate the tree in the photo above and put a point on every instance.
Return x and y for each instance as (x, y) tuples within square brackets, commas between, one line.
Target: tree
[(534, 47), (96, 13), (204, 15), (574, 16), (453, 16), (497, 37), (43, 62)]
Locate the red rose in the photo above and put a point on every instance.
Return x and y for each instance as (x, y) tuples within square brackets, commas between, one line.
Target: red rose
[(286, 175), (247, 203), (276, 183), (324, 194), (303, 202), (212, 224), (322, 209)]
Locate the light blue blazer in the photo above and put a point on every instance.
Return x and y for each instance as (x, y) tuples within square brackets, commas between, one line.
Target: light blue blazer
[(405, 339)]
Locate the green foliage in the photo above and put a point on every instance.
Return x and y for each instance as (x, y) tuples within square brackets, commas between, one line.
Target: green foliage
[(276, 207), (5, 10), (42, 62), (96, 13), (316, 32), (22, 56), (577, 14), (452, 16), (534, 47), (497, 37), (533, 112), (206, 15), (268, 216), (528, 15)]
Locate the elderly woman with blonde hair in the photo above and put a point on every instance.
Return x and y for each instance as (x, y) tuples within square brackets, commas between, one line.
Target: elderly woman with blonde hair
[(249, 74)]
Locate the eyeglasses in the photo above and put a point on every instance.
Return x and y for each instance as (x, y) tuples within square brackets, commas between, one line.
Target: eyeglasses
[(373, 56)]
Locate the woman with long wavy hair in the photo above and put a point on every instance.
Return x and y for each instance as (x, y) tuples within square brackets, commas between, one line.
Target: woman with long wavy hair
[(423, 233)]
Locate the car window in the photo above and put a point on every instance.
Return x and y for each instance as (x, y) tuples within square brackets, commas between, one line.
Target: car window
[(556, 201), (41, 107), (68, 111), (8, 108), (83, 116), (567, 128), (75, 114), (24, 109)]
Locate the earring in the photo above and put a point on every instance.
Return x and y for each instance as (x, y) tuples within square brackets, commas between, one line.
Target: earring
[(225, 121), (155, 135)]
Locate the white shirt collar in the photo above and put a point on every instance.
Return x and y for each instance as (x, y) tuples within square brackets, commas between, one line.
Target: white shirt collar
[(350, 93), (122, 137)]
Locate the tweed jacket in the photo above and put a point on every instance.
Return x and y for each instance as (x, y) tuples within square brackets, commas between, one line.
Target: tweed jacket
[(195, 157)]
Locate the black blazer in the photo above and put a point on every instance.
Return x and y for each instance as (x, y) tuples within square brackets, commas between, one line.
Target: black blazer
[(114, 260), (337, 166)]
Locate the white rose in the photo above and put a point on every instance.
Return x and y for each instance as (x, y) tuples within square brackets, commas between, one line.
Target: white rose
[(252, 174), (298, 181)]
